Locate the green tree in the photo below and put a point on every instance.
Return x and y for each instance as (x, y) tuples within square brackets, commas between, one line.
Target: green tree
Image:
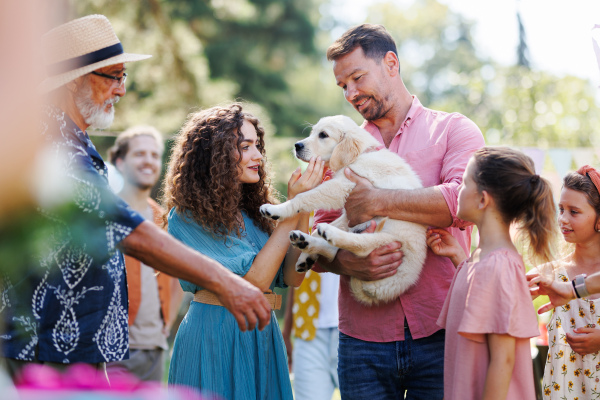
[(512, 105), (208, 52)]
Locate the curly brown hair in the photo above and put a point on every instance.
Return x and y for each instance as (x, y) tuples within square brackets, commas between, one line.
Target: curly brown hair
[(202, 178)]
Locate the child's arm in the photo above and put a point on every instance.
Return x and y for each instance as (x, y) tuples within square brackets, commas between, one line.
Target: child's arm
[(502, 363), (534, 290), (442, 243)]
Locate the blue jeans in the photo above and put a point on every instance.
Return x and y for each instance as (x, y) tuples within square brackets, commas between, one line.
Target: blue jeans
[(371, 370)]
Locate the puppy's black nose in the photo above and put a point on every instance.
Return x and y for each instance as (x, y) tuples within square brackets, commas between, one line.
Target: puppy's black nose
[(299, 146)]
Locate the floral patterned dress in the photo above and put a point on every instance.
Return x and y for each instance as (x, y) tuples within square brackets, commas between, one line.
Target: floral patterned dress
[(569, 375)]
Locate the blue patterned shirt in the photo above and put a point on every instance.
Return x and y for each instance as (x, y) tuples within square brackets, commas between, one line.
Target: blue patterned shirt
[(69, 303)]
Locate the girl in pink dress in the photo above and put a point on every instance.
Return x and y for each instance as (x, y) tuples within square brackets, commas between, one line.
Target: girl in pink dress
[(488, 314)]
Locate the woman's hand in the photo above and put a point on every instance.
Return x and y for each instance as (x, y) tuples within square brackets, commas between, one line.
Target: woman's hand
[(560, 293), (442, 243), (311, 178)]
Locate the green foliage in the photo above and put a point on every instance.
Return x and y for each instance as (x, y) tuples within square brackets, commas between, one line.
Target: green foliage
[(209, 52), (271, 53), (542, 110), (512, 105)]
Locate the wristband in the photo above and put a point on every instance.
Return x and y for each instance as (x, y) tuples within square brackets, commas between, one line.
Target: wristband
[(579, 286)]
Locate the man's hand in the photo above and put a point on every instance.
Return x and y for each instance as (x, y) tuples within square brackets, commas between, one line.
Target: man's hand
[(247, 304), (584, 340), (359, 203), (154, 247), (381, 263), (560, 293)]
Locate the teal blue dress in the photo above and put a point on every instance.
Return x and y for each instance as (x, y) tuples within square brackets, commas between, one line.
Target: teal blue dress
[(210, 352)]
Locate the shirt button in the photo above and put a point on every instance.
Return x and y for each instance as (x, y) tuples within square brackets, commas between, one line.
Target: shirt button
[(597, 379)]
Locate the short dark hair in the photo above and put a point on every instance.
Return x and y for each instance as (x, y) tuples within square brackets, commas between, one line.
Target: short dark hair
[(374, 40), (121, 146)]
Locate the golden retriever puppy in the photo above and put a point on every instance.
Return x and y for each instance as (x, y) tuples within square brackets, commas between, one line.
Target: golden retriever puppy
[(341, 143)]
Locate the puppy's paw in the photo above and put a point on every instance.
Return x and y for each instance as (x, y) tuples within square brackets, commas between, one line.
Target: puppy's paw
[(269, 211), (305, 262), (360, 227), (326, 231), (299, 239)]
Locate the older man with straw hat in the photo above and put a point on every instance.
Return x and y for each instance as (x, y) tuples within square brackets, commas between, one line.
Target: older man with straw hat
[(70, 302)]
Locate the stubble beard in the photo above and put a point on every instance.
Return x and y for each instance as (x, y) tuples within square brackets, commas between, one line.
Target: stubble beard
[(143, 186), (375, 110)]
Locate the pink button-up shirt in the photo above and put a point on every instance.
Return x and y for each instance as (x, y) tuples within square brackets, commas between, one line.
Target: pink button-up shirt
[(437, 145)]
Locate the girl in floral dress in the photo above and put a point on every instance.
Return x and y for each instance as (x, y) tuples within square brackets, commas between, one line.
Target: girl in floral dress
[(573, 364), (488, 314)]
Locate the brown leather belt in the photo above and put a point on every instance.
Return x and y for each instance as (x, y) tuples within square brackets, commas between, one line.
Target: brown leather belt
[(206, 297)]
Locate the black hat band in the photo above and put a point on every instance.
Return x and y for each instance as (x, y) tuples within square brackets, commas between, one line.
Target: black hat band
[(86, 59)]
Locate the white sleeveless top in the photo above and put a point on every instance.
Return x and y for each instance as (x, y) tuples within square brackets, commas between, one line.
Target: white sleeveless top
[(568, 374)]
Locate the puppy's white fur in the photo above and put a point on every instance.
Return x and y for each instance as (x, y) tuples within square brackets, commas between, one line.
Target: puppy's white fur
[(341, 143)]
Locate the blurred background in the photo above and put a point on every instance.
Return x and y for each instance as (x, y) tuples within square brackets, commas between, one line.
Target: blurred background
[(524, 71)]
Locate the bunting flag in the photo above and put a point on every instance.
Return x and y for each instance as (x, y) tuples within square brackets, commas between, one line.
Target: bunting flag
[(583, 156), (538, 156), (561, 160), (595, 40), (597, 151)]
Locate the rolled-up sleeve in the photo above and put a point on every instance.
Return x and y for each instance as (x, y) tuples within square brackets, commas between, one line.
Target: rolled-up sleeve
[(464, 138)]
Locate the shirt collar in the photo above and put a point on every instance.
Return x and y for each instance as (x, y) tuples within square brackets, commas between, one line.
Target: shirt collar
[(415, 109), (69, 125)]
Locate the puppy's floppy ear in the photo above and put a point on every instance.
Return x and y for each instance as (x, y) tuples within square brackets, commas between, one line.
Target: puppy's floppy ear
[(346, 152)]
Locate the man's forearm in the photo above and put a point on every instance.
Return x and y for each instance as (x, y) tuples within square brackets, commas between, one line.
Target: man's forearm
[(158, 249), (334, 266), (592, 283), (425, 206)]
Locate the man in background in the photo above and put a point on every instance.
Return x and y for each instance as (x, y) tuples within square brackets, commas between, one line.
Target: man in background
[(154, 298)]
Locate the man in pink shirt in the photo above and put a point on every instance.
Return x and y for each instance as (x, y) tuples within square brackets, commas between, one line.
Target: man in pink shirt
[(396, 349)]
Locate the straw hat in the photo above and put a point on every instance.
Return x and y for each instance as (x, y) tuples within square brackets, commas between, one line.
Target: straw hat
[(80, 47)]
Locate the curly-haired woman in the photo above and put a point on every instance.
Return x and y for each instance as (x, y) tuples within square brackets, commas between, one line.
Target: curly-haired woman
[(216, 182)]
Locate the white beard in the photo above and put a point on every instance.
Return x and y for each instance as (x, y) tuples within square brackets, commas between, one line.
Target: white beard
[(94, 114)]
